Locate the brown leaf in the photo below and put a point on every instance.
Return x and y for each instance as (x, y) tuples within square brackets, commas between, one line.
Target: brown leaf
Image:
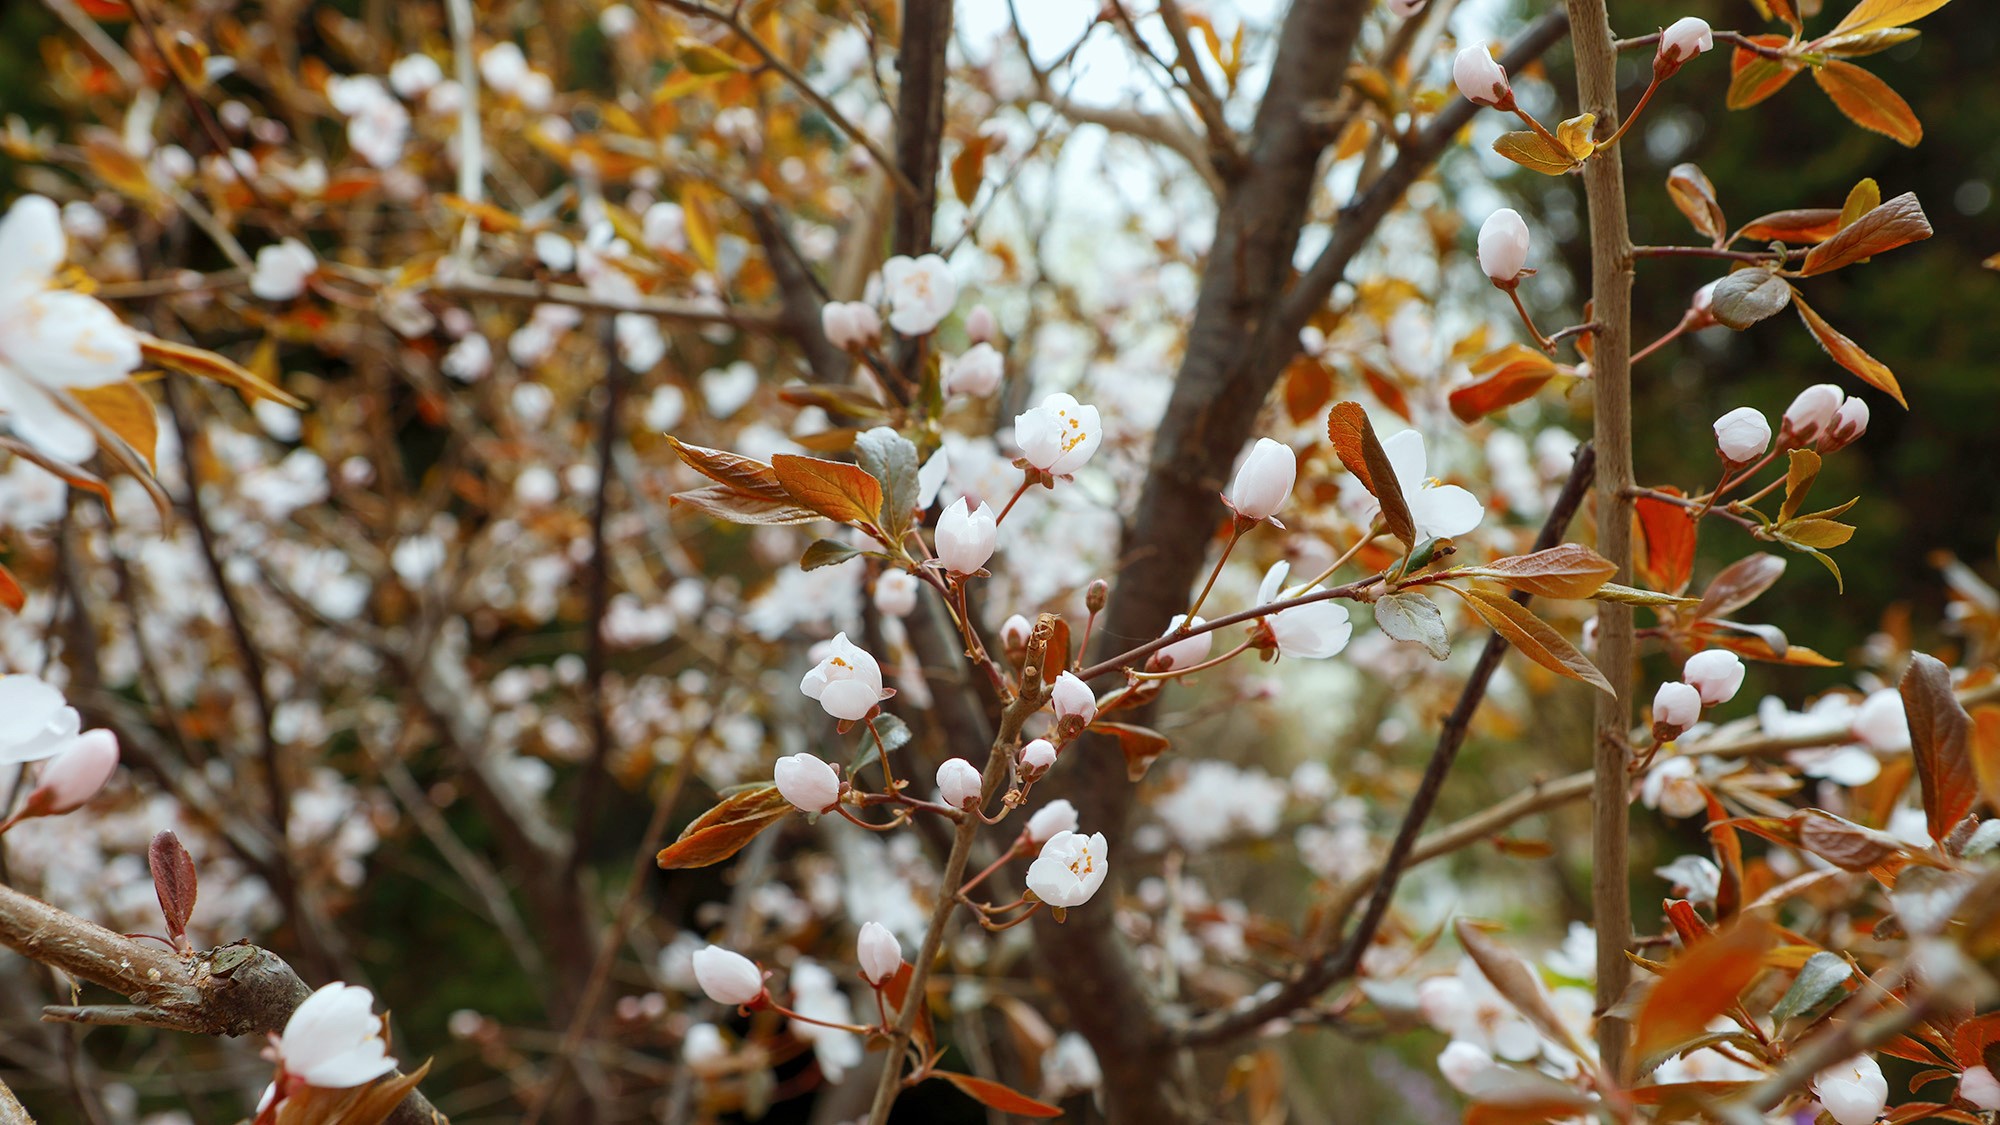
[(1739, 584), (835, 489), (968, 169), (1512, 374), (173, 882), (1512, 978), (1002, 1098), (1140, 744), (1843, 843), (1804, 226), (1872, 14), (1749, 295), (722, 831), (1848, 354), (1728, 857), (1668, 532), (1754, 77), (743, 474), (1530, 151), (1354, 440), (1869, 102), (1571, 570), (1695, 196), (1898, 222), (1986, 752), (1941, 740), (126, 411), (205, 364), (725, 503), (1308, 388), (896, 989), (1537, 639), (1701, 984)]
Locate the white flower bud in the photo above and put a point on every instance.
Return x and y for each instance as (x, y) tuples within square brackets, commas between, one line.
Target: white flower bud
[(1070, 869), (1881, 722), (1810, 413), (1264, 481), (879, 952), (808, 783), (980, 327), (1073, 701), (1853, 1092), (896, 593), (1676, 707), (1014, 633), (1503, 245), (978, 372), (1742, 435), (727, 977), (1480, 77), (1188, 651), (1685, 38), (1716, 673), (1056, 816), (1849, 423), (1038, 756), (282, 270), (1978, 1086), (959, 783), (965, 538)]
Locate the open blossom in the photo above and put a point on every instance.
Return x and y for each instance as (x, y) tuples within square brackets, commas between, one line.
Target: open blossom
[(847, 682), (1693, 877), (1685, 38), (333, 1040), (1264, 481), (1073, 701), (49, 339), (1461, 1062), (1313, 631), (1188, 651), (727, 977), (878, 951), (1439, 510), (1056, 816), (1480, 77), (1716, 673), (808, 783), (1676, 707), (35, 723), (1810, 413), (412, 76), (1671, 787), (977, 372), (850, 325), (896, 593), (1742, 435), (921, 292), (1058, 436), (1853, 1092), (1503, 245), (1881, 723), (664, 228), (282, 270), (1978, 1086), (1069, 869), (965, 538), (959, 782)]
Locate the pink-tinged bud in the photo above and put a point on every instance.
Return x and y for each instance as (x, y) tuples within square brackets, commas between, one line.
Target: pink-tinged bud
[(1742, 435), (850, 325), (1056, 816), (1684, 39), (1074, 703), (1038, 756), (896, 593), (959, 782), (965, 538), (1096, 595), (1070, 868), (1264, 482), (1978, 1086), (808, 783), (977, 373), (980, 327), (727, 977), (1716, 673), (879, 952), (1809, 414), (1480, 77), (1849, 423), (1188, 651), (1676, 707), (1701, 310), (1503, 245), (70, 779), (1014, 633), (1404, 9)]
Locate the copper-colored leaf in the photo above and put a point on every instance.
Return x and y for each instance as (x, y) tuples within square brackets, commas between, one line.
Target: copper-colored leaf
[(1854, 45), (126, 411), (1749, 295), (1668, 532), (1869, 102), (1140, 744), (968, 169), (1537, 639), (1986, 751), (1354, 441), (1787, 11), (1849, 354), (1941, 740), (835, 489), (722, 831), (1898, 222), (1701, 984), (1512, 374), (174, 882), (1571, 570), (1872, 14), (897, 989), (725, 503), (1803, 226), (1531, 151), (11, 594), (1002, 1098), (1728, 857), (1843, 843), (743, 474), (1308, 388), (205, 364), (1692, 192), (1754, 77), (1513, 979), (1739, 584)]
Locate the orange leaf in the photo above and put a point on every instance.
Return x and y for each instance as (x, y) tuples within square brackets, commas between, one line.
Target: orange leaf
[(1941, 741), (205, 364), (1848, 354), (11, 594), (1701, 984), (1308, 388), (1729, 857), (722, 831), (1668, 532), (1869, 102), (968, 169), (126, 411), (733, 470), (1537, 639), (1754, 77), (835, 489), (1140, 745), (1516, 373), (1354, 440), (1695, 196), (1898, 222), (1872, 14), (1804, 225), (999, 1097), (1985, 747)]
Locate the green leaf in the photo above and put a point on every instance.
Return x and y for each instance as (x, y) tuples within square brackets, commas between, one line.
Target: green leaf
[(826, 552), (891, 459), (894, 733), (1632, 595), (1819, 980)]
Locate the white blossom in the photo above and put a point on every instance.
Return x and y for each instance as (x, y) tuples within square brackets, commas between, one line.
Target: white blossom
[(1069, 869), (847, 682), (1059, 436), (921, 293)]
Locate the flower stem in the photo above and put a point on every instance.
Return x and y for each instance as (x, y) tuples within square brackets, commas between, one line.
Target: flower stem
[(1026, 480), (1626, 126), (1235, 533), (1191, 669)]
